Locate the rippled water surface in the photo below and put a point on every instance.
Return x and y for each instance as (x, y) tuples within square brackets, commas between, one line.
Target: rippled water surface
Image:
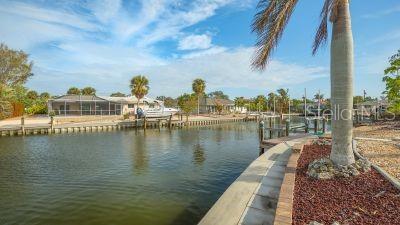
[(121, 177)]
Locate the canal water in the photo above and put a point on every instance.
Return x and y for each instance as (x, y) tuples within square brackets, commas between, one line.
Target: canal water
[(122, 177)]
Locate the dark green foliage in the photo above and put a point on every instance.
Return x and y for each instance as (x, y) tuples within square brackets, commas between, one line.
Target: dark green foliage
[(6, 109), (218, 95), (88, 91), (74, 91), (15, 68), (118, 94), (392, 80), (187, 103)]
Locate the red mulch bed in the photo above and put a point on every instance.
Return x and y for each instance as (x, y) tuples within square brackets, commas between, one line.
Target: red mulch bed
[(346, 200)]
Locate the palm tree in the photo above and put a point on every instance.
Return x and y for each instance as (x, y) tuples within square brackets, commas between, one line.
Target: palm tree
[(269, 24), (88, 91), (283, 100), (74, 91), (139, 87), (319, 97), (198, 87)]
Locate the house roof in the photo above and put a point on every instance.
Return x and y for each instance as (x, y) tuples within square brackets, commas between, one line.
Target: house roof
[(92, 98), (373, 103), (131, 99), (77, 98)]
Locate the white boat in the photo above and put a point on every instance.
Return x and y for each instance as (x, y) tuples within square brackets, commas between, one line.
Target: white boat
[(160, 112)]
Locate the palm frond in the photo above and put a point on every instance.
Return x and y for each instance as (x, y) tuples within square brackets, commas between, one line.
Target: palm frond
[(322, 33), (329, 10), (269, 24)]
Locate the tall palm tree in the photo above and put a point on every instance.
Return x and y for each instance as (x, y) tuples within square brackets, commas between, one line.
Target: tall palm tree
[(139, 87), (198, 87), (269, 23)]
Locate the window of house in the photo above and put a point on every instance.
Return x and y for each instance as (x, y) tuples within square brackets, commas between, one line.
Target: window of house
[(131, 106)]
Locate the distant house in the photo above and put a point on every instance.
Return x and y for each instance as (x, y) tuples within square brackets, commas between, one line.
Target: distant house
[(83, 105), (372, 107), (209, 105)]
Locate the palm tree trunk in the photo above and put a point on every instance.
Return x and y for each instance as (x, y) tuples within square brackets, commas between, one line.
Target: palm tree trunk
[(198, 105), (342, 86)]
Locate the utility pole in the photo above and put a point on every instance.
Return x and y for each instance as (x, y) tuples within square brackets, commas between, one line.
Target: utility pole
[(305, 103), (319, 102), (289, 108), (365, 93)]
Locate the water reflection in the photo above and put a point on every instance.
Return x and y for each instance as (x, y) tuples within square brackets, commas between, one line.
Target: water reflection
[(139, 153), (123, 177), (198, 151), (198, 154)]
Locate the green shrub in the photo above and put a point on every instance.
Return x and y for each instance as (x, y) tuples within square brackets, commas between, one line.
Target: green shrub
[(126, 116), (6, 109), (37, 108)]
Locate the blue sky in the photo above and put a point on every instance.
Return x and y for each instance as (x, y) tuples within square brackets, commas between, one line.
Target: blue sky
[(103, 43)]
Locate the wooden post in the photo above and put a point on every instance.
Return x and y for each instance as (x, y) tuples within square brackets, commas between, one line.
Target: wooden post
[(23, 125), (270, 126), (261, 131), (261, 136), (144, 123), (307, 125), (315, 126), (357, 119), (52, 124), (170, 122), (287, 127), (159, 124), (323, 124)]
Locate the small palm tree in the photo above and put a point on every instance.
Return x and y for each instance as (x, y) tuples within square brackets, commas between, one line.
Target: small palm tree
[(88, 91), (74, 91), (198, 87), (139, 87), (269, 24)]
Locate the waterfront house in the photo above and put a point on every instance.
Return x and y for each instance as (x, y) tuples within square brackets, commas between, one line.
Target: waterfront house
[(83, 105), (372, 107), (209, 105)]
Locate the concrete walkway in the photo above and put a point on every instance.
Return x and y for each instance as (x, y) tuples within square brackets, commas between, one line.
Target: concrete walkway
[(252, 198)]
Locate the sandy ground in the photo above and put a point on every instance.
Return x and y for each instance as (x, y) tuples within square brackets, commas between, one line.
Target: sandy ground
[(44, 120), (384, 154)]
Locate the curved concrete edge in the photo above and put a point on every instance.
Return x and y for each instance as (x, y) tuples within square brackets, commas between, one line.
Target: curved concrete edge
[(389, 177), (232, 204)]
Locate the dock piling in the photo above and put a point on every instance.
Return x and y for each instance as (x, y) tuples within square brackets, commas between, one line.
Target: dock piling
[(287, 127), (23, 125)]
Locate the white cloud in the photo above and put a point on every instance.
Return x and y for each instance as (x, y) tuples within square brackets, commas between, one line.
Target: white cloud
[(222, 70), (377, 14), (176, 19), (211, 51), (75, 53), (25, 33), (59, 17), (194, 42), (227, 69), (105, 10), (388, 36)]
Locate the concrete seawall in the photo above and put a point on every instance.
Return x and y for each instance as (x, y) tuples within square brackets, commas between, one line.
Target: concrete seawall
[(110, 126)]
